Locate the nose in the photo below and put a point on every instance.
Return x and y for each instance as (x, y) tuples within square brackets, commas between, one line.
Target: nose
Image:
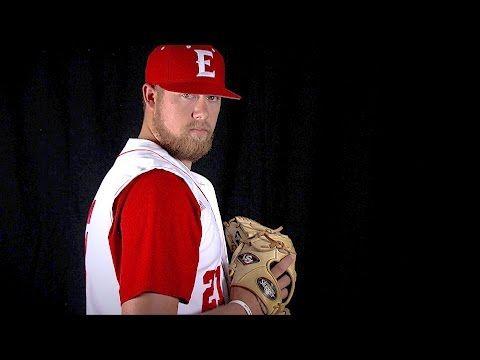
[(200, 111)]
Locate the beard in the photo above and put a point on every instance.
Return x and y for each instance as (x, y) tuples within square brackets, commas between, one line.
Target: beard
[(186, 146)]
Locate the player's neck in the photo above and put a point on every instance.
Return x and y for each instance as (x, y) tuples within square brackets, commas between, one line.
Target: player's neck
[(145, 133), (187, 163)]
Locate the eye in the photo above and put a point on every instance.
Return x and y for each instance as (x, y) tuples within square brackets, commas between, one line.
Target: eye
[(187, 96), (213, 98)]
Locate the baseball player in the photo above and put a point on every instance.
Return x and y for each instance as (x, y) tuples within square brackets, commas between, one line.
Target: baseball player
[(154, 237)]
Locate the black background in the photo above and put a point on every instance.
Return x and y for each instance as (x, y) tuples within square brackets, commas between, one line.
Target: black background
[(326, 142)]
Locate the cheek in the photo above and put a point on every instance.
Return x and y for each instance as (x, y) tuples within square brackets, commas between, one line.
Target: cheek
[(214, 111), (176, 118)]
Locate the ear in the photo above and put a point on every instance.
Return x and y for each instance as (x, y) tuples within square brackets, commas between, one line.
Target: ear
[(148, 96)]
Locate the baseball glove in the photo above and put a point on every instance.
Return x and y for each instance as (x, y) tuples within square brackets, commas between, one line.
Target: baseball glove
[(256, 249)]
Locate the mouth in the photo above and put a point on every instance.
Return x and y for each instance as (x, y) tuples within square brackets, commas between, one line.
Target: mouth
[(199, 131)]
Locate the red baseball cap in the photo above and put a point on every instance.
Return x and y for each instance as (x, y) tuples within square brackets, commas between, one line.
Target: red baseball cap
[(194, 69)]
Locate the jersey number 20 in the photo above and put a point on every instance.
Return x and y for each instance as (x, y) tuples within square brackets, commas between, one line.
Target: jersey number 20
[(212, 278)]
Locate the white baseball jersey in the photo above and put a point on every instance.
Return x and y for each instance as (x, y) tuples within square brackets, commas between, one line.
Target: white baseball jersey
[(102, 286)]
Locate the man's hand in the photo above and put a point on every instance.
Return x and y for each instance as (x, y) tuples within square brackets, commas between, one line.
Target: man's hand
[(263, 262), (257, 307)]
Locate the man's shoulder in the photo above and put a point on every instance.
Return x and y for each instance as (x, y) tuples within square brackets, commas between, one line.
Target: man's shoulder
[(159, 179), (156, 186)]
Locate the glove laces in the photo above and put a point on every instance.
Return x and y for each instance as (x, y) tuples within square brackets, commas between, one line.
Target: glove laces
[(272, 242)]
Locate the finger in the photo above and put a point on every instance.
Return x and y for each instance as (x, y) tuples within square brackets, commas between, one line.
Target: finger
[(280, 268), (284, 294), (284, 281)]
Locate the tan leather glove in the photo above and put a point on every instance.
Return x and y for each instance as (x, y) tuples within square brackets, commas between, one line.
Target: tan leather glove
[(256, 249)]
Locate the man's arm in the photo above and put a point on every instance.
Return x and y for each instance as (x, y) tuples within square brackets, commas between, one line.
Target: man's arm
[(151, 304), (157, 304), (145, 250)]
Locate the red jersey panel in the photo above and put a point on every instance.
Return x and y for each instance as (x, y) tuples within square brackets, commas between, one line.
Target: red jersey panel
[(155, 236)]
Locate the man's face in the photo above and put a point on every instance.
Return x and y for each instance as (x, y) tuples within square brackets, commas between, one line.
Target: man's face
[(184, 124)]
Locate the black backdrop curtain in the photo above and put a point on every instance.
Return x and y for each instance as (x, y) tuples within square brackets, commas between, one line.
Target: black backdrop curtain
[(313, 146)]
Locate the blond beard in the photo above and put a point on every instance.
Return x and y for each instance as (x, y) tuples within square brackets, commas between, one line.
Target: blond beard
[(185, 146)]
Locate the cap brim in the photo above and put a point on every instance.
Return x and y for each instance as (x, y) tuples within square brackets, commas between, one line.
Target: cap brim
[(204, 89)]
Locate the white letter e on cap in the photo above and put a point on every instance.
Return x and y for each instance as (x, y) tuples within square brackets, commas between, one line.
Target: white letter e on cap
[(202, 62)]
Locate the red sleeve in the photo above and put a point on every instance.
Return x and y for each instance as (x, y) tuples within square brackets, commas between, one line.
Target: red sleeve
[(155, 237)]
